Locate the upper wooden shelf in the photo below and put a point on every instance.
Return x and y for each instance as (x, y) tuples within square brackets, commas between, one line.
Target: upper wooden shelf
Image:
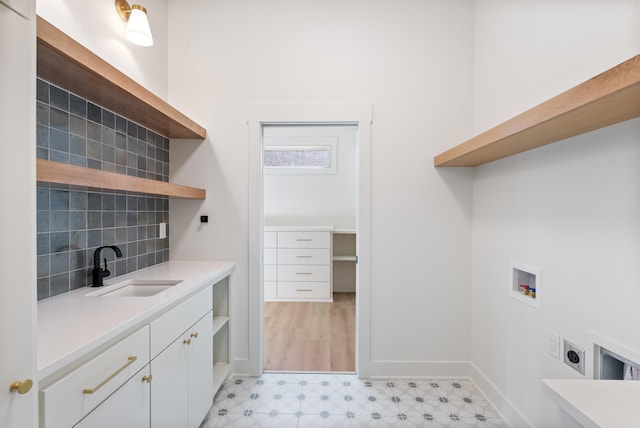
[(608, 98), (66, 63), (61, 173)]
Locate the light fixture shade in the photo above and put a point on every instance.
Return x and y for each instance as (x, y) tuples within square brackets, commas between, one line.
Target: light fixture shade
[(138, 30)]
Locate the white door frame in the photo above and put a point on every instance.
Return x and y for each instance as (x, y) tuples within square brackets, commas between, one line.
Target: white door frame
[(315, 114)]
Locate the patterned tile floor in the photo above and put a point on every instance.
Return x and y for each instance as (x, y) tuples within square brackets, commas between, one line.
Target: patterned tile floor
[(339, 400)]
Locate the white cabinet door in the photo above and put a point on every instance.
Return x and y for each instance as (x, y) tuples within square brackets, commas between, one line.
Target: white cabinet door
[(128, 407), (169, 387), (200, 370), (17, 228)]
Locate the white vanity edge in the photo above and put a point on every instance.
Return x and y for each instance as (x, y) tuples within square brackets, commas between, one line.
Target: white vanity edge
[(72, 325), (597, 403), (298, 228)]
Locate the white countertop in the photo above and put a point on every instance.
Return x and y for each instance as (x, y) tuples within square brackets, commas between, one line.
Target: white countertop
[(71, 325), (598, 403)]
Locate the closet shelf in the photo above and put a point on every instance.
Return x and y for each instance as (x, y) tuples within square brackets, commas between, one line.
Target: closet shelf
[(606, 99), (60, 173), (66, 63), (344, 258)]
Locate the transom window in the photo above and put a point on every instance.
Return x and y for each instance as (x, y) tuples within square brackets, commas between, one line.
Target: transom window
[(300, 155)]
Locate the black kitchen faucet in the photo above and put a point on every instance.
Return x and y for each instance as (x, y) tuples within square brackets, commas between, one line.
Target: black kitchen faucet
[(99, 273)]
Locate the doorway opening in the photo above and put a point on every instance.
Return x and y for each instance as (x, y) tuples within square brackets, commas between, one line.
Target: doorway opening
[(259, 116), (310, 207)]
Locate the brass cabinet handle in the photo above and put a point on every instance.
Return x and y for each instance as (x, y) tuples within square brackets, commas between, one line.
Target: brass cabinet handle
[(147, 378), (304, 239), (21, 387), (303, 289), (130, 361), (187, 341), (194, 335)]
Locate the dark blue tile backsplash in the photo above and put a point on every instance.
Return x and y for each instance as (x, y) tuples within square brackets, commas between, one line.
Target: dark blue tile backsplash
[(73, 221)]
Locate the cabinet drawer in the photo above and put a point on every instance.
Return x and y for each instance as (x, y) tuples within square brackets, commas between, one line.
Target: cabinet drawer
[(270, 239), (270, 273), (304, 239), (270, 290), (127, 407), (304, 290), (166, 328), (303, 256), (270, 256), (68, 400), (303, 273)]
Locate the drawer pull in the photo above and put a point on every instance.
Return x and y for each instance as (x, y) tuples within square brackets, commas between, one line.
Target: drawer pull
[(147, 378), (304, 239), (304, 257), (130, 361), (194, 335), (303, 289), (303, 273), (187, 341), (21, 387)]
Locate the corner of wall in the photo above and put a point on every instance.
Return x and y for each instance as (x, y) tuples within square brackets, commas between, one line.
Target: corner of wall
[(505, 407)]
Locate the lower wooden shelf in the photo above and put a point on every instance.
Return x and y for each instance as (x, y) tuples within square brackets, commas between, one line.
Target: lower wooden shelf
[(60, 173), (221, 371)]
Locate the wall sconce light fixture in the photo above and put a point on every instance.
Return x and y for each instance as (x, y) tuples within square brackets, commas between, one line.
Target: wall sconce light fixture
[(135, 16)]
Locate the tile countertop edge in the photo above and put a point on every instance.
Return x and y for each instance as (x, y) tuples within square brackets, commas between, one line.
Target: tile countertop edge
[(596, 402), (74, 311)]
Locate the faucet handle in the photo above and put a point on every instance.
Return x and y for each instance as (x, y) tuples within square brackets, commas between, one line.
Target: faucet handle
[(106, 271)]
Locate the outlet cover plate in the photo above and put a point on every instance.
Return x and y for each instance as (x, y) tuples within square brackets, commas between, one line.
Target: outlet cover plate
[(553, 344), (574, 356)]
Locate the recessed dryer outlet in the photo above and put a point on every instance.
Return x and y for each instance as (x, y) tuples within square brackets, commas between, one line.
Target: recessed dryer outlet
[(574, 356)]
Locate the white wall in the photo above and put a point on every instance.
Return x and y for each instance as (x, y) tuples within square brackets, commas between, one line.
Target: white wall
[(412, 60), (299, 199), (97, 26), (571, 208)]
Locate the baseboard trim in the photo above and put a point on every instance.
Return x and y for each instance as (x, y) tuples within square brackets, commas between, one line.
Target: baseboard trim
[(418, 369), (240, 367), (509, 413)]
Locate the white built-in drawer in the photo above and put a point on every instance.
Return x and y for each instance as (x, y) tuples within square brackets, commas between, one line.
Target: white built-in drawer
[(270, 273), (270, 289), (303, 256), (303, 273), (270, 256), (166, 328), (304, 239), (270, 239), (304, 290), (68, 400)]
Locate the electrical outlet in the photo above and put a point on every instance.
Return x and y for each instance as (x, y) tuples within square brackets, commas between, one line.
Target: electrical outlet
[(553, 344), (574, 356)]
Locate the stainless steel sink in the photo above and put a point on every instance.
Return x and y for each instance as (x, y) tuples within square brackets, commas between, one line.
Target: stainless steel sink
[(134, 288)]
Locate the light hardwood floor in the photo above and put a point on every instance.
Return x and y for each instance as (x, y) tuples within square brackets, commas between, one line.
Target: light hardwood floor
[(311, 336)]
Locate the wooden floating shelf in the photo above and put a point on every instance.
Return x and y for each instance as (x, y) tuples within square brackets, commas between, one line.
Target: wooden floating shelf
[(606, 99), (66, 63), (60, 173)]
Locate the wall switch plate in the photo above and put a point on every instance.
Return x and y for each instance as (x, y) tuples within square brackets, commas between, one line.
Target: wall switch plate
[(553, 344), (162, 230), (574, 356)]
